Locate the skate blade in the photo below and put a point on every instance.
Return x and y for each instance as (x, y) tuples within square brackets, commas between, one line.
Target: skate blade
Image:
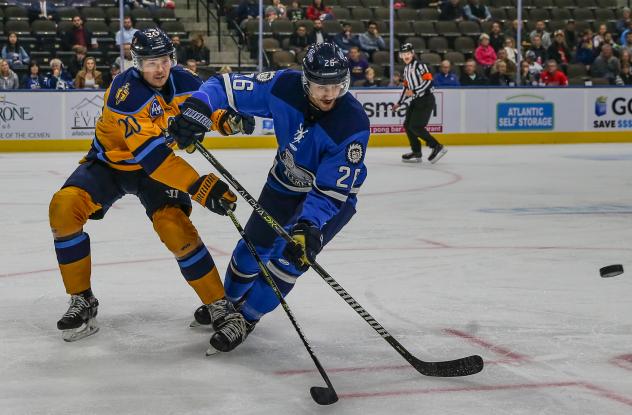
[(441, 154), (411, 161), (211, 351), (86, 329), (195, 323)]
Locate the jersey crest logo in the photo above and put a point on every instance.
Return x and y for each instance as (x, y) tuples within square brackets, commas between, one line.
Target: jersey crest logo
[(156, 109), (354, 153), (122, 93), (298, 136), (264, 77)]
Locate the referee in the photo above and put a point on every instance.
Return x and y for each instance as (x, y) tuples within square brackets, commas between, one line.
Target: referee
[(418, 86)]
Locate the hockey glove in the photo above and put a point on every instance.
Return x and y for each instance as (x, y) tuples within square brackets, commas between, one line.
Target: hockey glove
[(308, 241), (191, 124), (209, 191), (229, 122)]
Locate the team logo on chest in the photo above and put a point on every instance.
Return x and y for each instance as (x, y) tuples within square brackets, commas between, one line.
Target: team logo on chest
[(155, 110), (298, 136)]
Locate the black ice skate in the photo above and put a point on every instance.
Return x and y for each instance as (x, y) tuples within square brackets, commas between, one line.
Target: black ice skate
[(79, 321), (211, 315), (231, 334), (437, 152), (411, 158)]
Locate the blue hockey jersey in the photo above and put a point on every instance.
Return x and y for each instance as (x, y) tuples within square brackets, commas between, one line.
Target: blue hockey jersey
[(321, 155)]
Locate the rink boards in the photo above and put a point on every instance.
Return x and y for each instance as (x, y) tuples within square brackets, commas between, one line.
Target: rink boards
[(64, 121)]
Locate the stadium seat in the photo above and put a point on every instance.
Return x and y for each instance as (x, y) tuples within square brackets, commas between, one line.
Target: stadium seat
[(428, 14), (586, 4), (67, 13), (98, 28), (447, 28), (140, 14), (372, 4), (350, 3), (424, 29), (543, 4), (556, 25), (63, 26), (604, 15), (402, 29), (561, 14), (282, 59), (419, 44), (584, 15), (361, 13), (163, 15), (15, 13), (112, 13), (307, 23), (145, 24), (382, 13), (357, 26), (498, 13), (465, 45), (431, 59), (381, 57), (455, 58), (45, 28), (405, 14), (341, 13), (565, 4), (20, 27), (282, 28), (93, 13), (271, 45), (470, 28), (331, 27), (174, 28), (438, 44), (539, 14)]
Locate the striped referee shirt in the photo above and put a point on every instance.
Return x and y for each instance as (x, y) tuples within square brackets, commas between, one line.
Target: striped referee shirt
[(417, 78)]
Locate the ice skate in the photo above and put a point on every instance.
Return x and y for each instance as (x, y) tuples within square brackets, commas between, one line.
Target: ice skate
[(233, 333), (211, 315), (437, 152), (80, 319), (411, 157)]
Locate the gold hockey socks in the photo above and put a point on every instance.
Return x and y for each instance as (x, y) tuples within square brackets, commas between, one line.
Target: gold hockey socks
[(73, 256)]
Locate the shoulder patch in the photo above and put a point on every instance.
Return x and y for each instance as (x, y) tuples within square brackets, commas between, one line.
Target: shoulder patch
[(121, 93), (355, 152), (128, 94), (264, 77)]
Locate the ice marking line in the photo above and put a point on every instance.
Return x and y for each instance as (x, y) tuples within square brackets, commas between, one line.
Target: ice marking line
[(489, 346), (596, 390), (214, 251), (293, 372), (455, 178), (623, 361)]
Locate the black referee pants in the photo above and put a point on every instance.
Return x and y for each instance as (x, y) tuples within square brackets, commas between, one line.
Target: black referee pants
[(417, 118)]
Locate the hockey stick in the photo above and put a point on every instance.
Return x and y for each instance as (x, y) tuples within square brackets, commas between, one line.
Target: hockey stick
[(321, 395), (460, 367)]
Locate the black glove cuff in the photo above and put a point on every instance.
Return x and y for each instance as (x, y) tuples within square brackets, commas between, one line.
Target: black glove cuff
[(196, 111)]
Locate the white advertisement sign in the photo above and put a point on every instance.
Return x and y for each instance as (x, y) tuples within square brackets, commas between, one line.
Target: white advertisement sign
[(83, 110), (609, 110), (30, 116)]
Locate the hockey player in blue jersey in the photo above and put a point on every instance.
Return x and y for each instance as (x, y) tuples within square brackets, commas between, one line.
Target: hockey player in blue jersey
[(322, 134)]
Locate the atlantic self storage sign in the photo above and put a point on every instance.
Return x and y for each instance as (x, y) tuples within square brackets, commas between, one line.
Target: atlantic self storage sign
[(525, 116)]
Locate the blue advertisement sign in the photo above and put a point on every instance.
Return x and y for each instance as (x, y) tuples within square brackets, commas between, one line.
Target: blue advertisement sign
[(530, 116)]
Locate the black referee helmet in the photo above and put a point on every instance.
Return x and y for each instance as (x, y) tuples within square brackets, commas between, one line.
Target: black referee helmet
[(406, 47)]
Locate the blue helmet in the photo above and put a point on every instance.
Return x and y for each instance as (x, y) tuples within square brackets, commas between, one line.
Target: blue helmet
[(326, 64), (151, 43)]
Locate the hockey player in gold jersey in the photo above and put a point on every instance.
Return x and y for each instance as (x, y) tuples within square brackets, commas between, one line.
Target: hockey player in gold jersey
[(130, 155)]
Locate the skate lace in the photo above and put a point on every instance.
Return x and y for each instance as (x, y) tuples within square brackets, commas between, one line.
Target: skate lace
[(235, 327), (218, 309), (77, 305)]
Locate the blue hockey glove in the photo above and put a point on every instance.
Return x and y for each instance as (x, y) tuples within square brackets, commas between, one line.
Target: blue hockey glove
[(308, 242), (191, 124)]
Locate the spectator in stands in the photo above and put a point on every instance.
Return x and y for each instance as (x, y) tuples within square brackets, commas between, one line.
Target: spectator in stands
[(511, 66), (538, 49), (484, 53), (470, 76), (299, 40), (58, 77), (625, 56), (496, 37), (357, 64), (527, 78), (559, 50), (544, 35), (128, 31), (606, 65), (278, 8), (198, 51), (499, 76), (570, 33), (369, 79), (152, 4), (42, 9), (247, 10), (127, 61), (586, 51), (552, 76), (345, 39), (33, 79), (608, 40), (318, 9), (396, 81), (623, 23), (317, 35), (510, 49), (628, 42), (625, 33), (8, 78), (115, 69), (89, 77), (534, 67), (445, 76), (14, 53), (192, 66), (371, 41), (181, 52), (270, 16), (476, 11), (78, 35), (626, 74), (76, 63), (512, 32), (295, 12), (451, 10), (599, 37)]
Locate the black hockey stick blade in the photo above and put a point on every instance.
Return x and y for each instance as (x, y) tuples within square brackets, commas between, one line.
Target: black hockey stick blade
[(323, 396), (465, 366)]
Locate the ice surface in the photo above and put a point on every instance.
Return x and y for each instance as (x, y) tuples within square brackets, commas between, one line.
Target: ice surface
[(493, 250)]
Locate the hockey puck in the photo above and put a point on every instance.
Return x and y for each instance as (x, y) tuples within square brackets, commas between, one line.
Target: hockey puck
[(611, 271)]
